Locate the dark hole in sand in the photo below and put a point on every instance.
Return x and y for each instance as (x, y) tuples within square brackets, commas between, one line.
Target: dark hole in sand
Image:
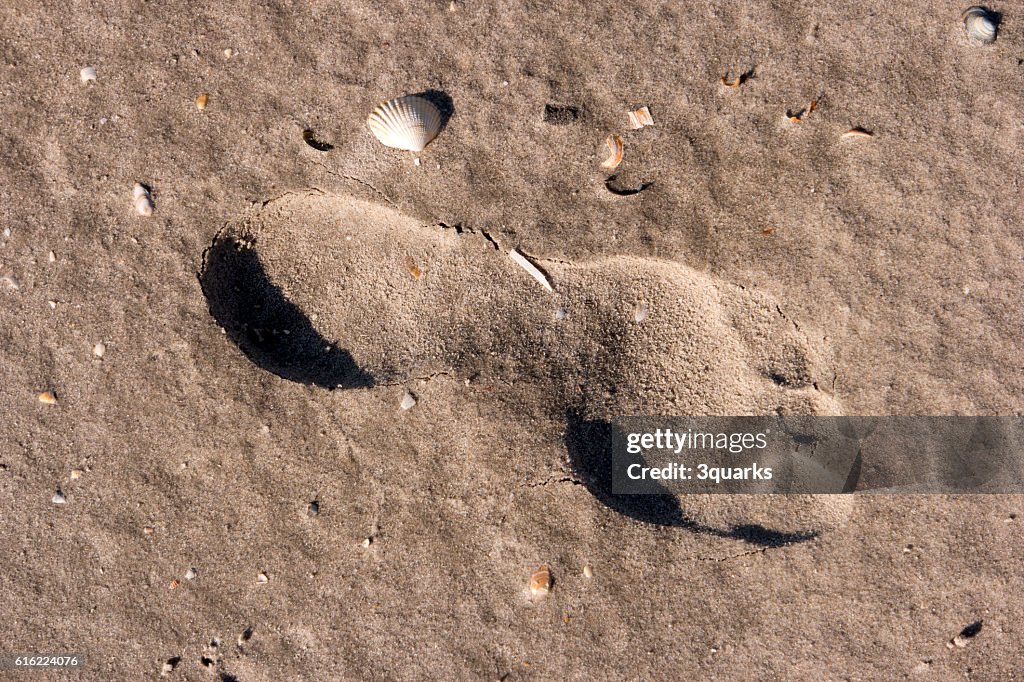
[(310, 138), (589, 443), (561, 114), (271, 330), (613, 185)]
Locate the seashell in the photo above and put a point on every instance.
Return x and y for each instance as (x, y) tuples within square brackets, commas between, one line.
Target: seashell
[(588, 571), (540, 581), (142, 199), (638, 118), (414, 270), (737, 81), (59, 498), (856, 133), (980, 24), (88, 74), (99, 349), (534, 271), (408, 123), (202, 101), (47, 398), (615, 147), (640, 312), (408, 401)]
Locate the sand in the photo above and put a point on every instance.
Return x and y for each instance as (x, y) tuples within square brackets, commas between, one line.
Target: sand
[(780, 268)]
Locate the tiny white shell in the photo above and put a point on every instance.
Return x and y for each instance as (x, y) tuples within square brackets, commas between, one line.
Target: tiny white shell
[(87, 74), (408, 401), (980, 25), (640, 312), (99, 349), (408, 123), (142, 199)]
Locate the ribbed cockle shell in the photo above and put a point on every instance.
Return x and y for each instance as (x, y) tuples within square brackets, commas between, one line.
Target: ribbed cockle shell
[(408, 123)]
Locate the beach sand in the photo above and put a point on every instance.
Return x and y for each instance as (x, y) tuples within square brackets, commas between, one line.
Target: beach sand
[(781, 268)]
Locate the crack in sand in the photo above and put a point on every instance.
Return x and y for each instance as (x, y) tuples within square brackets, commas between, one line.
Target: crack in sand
[(730, 557), (552, 481), (462, 229), (424, 379), (360, 181)]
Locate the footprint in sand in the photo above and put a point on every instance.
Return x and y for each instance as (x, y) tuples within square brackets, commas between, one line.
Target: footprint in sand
[(336, 291)]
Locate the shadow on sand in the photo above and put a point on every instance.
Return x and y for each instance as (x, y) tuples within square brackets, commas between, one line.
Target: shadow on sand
[(271, 330)]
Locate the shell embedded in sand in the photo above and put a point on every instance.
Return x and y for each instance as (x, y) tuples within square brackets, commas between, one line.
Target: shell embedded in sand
[(142, 200), (615, 147), (856, 133), (540, 581), (202, 100), (980, 25), (638, 118), (87, 74), (408, 123), (47, 398)]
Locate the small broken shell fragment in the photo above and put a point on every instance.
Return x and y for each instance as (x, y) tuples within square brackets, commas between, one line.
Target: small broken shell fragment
[(414, 270), (799, 116), (142, 199), (534, 271), (47, 398), (856, 133), (407, 123), (615, 147), (262, 578), (640, 312), (59, 498), (11, 281), (99, 349), (588, 571), (981, 25), (87, 74), (734, 82), (202, 101), (408, 401), (638, 118), (540, 581)]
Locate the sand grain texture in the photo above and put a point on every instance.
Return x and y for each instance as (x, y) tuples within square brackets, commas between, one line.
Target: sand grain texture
[(782, 267)]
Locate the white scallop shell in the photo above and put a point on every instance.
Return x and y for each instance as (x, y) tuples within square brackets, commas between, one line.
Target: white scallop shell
[(408, 123), (980, 26)]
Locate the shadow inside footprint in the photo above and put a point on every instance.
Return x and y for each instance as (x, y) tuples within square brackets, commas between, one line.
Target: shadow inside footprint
[(589, 443), (272, 331)]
